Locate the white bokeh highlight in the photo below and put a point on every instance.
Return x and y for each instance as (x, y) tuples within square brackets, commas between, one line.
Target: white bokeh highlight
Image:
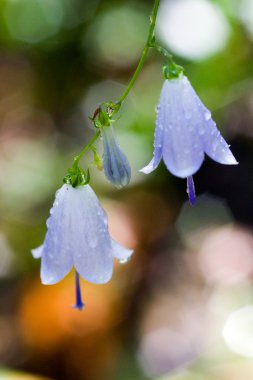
[(193, 29), (246, 15), (238, 331)]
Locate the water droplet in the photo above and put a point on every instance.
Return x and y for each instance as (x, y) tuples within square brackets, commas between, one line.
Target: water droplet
[(157, 108), (214, 148), (93, 243), (207, 115), (124, 261)]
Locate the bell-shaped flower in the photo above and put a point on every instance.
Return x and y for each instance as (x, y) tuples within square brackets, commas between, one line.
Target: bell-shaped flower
[(77, 236), (116, 166), (185, 132)]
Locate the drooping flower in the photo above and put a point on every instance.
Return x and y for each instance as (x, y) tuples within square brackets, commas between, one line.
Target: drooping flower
[(185, 132), (116, 166), (78, 237)]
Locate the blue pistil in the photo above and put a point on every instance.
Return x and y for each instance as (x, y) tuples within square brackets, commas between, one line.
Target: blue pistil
[(191, 190), (79, 303)]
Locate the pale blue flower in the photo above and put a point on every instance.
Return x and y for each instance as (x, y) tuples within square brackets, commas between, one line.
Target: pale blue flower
[(116, 166), (185, 132), (78, 237)]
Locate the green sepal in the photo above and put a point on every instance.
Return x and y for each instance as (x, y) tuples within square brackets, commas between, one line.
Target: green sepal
[(97, 123), (112, 108), (104, 119), (76, 176), (172, 70), (98, 161)]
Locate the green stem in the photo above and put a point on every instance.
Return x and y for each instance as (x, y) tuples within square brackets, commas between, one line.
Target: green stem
[(86, 148), (163, 51), (147, 46)]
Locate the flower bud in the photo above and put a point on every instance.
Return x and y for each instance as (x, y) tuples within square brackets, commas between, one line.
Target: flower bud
[(116, 166)]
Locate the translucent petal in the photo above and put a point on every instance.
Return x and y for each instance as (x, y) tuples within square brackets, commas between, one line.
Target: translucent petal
[(37, 252), (57, 255), (116, 166), (216, 147), (213, 143), (121, 253), (91, 243), (157, 155), (182, 147)]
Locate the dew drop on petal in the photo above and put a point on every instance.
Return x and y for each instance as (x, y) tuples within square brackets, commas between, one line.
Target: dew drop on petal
[(124, 261), (93, 244), (207, 115)]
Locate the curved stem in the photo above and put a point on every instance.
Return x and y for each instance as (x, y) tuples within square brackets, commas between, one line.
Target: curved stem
[(147, 46), (86, 148), (163, 51)]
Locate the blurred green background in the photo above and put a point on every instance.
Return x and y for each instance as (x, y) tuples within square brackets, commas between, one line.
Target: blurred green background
[(169, 314)]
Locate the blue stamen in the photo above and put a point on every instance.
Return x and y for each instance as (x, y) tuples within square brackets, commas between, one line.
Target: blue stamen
[(79, 303), (191, 190)]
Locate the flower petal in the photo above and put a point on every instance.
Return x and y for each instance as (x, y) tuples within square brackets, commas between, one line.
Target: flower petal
[(91, 244), (57, 255), (157, 155), (216, 147), (121, 253), (37, 252), (182, 147), (213, 143)]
